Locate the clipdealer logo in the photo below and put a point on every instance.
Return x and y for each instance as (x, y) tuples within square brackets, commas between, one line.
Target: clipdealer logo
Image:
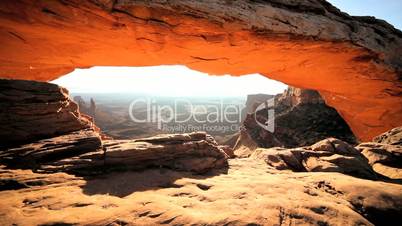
[(270, 123), (184, 111)]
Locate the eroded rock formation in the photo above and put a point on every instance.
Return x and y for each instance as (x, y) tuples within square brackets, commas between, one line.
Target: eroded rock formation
[(300, 118), (354, 62), (83, 153), (42, 129), (248, 193), (78, 179), (393, 137), (329, 155), (34, 110), (385, 153)]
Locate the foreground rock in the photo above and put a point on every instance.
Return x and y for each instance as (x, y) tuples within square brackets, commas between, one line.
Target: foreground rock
[(32, 110), (329, 155), (246, 194), (300, 118), (35, 154), (306, 42), (392, 137), (83, 153), (385, 153), (43, 130)]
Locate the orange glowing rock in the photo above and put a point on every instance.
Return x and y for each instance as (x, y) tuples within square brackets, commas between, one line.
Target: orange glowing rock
[(354, 62)]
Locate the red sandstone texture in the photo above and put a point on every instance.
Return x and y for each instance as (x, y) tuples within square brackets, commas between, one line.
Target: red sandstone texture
[(354, 62)]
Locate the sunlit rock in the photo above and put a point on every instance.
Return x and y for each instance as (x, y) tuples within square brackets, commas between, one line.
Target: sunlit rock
[(354, 62)]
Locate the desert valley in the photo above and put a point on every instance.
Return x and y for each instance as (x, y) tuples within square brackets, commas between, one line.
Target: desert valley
[(324, 150)]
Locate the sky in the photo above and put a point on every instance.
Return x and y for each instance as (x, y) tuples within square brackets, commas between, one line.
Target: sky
[(389, 10), (165, 81), (181, 81)]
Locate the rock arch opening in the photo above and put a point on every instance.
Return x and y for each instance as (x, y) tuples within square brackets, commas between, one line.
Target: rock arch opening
[(138, 102), (354, 62), (54, 161)]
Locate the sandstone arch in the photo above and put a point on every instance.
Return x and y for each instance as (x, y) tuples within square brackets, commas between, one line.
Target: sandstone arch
[(354, 62)]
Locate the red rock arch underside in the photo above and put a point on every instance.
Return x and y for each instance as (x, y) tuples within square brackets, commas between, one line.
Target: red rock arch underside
[(354, 62)]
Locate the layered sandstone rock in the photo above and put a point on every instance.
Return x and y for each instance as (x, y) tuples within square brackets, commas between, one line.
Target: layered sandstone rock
[(354, 62), (300, 118), (392, 137), (44, 131), (294, 96), (330, 155), (32, 110), (385, 153), (82, 152), (40, 152)]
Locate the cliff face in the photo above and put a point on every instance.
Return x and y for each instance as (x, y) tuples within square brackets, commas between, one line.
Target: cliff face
[(354, 62), (300, 118), (33, 110), (294, 96)]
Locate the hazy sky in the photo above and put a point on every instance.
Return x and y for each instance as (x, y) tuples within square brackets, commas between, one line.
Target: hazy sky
[(389, 10), (166, 81)]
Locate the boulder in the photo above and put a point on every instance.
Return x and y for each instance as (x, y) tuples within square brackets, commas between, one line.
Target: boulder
[(385, 159), (384, 154), (336, 146), (393, 137), (329, 155)]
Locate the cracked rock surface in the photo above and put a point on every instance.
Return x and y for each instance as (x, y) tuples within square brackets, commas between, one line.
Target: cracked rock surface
[(247, 192), (354, 62)]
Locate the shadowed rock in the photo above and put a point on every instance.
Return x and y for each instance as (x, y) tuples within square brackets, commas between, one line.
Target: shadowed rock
[(32, 110), (53, 149), (300, 118), (82, 152), (385, 153), (329, 155)]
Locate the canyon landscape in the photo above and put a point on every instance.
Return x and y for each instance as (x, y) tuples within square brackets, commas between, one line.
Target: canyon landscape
[(326, 151)]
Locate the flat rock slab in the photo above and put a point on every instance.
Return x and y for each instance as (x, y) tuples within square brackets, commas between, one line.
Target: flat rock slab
[(245, 193), (83, 152)]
